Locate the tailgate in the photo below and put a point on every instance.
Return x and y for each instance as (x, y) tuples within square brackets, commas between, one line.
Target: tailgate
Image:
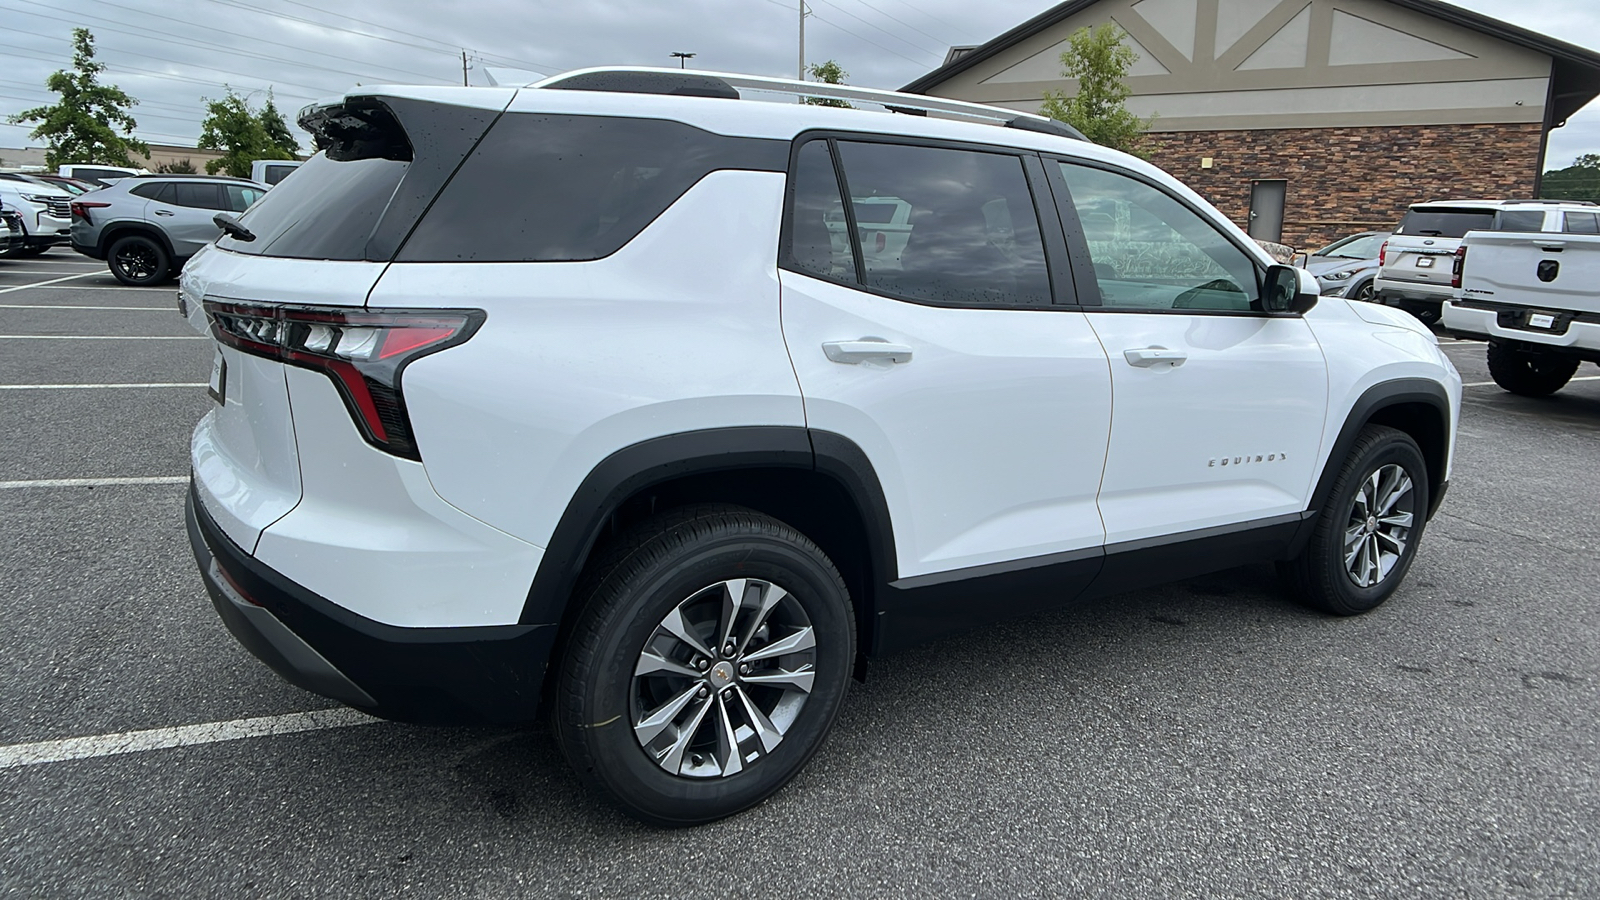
[(1548, 271), (1418, 262)]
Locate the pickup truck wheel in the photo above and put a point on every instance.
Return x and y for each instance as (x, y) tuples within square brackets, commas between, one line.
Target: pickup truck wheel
[(1366, 536), (706, 668), (1531, 373), (137, 261)]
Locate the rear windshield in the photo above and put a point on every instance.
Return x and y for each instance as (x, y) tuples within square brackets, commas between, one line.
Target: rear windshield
[(1450, 223), (327, 211)]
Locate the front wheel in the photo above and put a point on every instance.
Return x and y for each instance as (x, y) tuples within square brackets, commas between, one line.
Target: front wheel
[(1366, 293), (706, 668), (138, 261), (1531, 373), (1366, 535)]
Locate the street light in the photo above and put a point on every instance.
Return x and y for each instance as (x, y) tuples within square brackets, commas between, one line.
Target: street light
[(682, 58)]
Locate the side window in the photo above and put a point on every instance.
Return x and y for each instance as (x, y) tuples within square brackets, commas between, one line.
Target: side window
[(947, 226), (1582, 223), (198, 195), (240, 197), (818, 238), (1519, 220), (148, 191), (1151, 252)]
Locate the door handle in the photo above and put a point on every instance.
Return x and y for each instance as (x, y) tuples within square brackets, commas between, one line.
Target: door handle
[(853, 352), (1154, 356), (163, 212)]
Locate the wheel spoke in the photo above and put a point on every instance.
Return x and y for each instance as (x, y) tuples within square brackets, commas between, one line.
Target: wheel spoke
[(732, 601), (1398, 520), (768, 733), (1354, 534), (657, 721), (728, 759), (678, 628), (771, 596), (672, 759), (801, 679), (1398, 545), (804, 639), (652, 663)]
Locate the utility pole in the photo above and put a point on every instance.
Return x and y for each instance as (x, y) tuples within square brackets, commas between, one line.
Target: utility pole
[(802, 67), (682, 58), (464, 81)]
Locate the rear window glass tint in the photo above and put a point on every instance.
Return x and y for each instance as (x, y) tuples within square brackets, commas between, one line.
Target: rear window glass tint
[(1451, 223), (327, 211), (549, 188), (196, 196), (150, 191)]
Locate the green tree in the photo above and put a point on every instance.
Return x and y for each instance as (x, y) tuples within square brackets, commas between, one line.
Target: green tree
[(1100, 61), (178, 167), (235, 129), (1579, 181), (829, 72), (90, 123), (277, 128)]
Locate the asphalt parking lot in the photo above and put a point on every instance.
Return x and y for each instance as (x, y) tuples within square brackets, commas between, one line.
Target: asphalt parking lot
[(1207, 739)]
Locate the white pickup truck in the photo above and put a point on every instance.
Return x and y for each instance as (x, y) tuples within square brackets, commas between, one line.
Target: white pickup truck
[(1535, 297)]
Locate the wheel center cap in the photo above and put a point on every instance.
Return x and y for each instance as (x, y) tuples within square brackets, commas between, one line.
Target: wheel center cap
[(1372, 523), (721, 674)]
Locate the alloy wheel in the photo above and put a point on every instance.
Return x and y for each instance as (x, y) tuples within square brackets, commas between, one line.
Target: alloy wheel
[(137, 261), (1379, 525), (722, 678)]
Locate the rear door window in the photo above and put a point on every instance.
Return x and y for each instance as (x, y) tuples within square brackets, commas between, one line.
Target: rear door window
[(198, 195), (1519, 220), (1450, 223), (240, 196), (1582, 223)]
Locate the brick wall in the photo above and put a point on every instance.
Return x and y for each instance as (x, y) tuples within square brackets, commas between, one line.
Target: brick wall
[(1344, 180)]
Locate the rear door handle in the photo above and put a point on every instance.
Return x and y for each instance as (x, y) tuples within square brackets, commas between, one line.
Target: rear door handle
[(1147, 357), (163, 212), (853, 352)]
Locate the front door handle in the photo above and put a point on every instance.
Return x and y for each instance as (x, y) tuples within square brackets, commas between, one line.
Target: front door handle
[(1147, 357), (163, 212), (853, 352)]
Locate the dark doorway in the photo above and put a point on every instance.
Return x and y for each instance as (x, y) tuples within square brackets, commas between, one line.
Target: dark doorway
[(1266, 210)]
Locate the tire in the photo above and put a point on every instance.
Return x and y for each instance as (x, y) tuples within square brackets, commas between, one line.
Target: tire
[(1428, 314), (1531, 373), (635, 710), (38, 250), (1366, 293), (1325, 575), (138, 261)]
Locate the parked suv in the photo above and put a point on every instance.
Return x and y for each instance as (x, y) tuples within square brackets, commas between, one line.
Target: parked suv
[(568, 393), (43, 209), (145, 227), (1415, 264)]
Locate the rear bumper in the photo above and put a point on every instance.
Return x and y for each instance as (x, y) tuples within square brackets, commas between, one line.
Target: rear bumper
[(1577, 334), (484, 674), (1394, 293)]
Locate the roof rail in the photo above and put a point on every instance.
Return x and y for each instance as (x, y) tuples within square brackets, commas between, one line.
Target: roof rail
[(1554, 202), (647, 80)]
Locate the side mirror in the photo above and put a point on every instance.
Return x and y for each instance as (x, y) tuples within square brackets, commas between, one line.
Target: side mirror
[(1290, 291)]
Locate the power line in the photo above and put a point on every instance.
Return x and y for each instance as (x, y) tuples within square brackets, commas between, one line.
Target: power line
[(886, 31), (859, 37), (889, 15), (952, 26)]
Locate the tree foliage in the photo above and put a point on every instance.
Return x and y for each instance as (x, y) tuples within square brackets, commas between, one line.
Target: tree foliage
[(829, 72), (1100, 61), (1579, 181), (183, 166), (91, 122), (240, 133), (277, 128)]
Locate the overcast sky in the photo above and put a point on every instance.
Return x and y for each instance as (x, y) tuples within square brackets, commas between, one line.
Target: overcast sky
[(173, 53)]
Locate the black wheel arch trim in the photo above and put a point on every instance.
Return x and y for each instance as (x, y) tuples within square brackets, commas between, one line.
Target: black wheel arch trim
[(1371, 402), (635, 468)]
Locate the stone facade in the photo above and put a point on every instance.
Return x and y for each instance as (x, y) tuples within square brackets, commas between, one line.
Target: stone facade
[(1345, 180)]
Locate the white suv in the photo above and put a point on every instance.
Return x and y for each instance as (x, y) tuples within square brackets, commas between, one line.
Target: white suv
[(575, 380)]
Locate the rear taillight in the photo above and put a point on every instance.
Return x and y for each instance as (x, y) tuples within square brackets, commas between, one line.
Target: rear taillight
[(1383, 254), (1460, 263), (80, 209), (364, 351)]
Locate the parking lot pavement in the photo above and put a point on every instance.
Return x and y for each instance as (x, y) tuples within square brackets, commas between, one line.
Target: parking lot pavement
[(1204, 739)]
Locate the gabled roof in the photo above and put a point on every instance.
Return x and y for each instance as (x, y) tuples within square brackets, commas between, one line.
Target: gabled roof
[(1576, 70)]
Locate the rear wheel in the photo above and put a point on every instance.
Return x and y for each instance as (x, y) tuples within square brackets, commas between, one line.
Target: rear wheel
[(1366, 535), (1531, 373), (707, 667), (137, 261)]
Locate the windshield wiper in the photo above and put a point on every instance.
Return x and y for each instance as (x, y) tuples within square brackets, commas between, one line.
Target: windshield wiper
[(230, 224)]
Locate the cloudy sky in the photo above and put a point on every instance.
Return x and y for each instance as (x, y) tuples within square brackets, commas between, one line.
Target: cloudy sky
[(172, 54)]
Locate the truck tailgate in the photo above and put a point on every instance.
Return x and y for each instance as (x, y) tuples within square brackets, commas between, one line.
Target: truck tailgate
[(1548, 271)]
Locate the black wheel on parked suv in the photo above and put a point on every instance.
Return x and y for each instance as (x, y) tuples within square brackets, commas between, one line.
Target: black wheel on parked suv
[(1531, 373), (137, 261), (1367, 533), (707, 666)]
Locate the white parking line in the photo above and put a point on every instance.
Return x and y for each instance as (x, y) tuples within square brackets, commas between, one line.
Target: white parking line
[(18, 755), (23, 287), (168, 309), (99, 387), (105, 287), (102, 337), (91, 482), (1492, 384)]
